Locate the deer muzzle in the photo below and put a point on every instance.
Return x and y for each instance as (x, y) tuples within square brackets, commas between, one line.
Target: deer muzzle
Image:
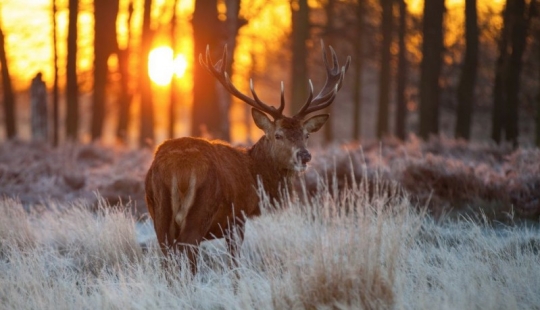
[(303, 156)]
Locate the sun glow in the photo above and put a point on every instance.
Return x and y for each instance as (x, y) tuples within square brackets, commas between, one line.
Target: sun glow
[(162, 65)]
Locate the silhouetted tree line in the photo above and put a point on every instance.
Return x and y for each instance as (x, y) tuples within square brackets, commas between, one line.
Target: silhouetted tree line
[(346, 25)]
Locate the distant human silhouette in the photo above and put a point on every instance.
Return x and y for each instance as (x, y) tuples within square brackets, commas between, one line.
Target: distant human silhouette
[(38, 102)]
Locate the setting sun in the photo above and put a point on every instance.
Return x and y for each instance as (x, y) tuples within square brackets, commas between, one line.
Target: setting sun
[(162, 66), (180, 65)]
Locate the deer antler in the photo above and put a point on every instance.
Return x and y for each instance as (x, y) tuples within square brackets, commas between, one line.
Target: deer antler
[(218, 71), (334, 79)]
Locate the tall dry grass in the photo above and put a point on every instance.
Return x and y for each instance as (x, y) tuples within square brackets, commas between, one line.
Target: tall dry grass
[(338, 249)]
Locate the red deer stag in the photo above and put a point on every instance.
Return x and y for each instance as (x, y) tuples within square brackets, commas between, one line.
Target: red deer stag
[(196, 188)]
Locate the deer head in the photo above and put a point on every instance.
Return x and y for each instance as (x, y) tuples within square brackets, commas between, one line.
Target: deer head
[(286, 136)]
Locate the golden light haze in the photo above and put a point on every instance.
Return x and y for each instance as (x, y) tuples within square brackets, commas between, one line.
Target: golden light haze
[(28, 28), (27, 25)]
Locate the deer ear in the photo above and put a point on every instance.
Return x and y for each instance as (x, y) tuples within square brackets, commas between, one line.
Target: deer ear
[(261, 120), (315, 123)]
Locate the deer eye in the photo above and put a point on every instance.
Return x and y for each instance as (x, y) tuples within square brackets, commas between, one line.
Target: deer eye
[(307, 135), (278, 136)]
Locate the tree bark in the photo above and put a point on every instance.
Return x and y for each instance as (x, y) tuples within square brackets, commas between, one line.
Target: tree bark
[(300, 34), (9, 96), (384, 74), (126, 94), (72, 92), (358, 85), (430, 68), (55, 99), (535, 12), (501, 72), (330, 28), (207, 30), (233, 24), (401, 113), (105, 13), (467, 83), (519, 37), (173, 95), (146, 136)]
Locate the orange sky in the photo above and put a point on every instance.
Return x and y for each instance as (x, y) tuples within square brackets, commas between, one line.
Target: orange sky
[(27, 26)]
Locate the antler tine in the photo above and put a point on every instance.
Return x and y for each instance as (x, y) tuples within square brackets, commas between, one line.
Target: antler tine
[(282, 101), (218, 71), (303, 109), (334, 79)]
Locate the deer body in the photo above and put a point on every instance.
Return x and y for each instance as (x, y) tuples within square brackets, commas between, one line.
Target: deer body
[(198, 189), (225, 183)]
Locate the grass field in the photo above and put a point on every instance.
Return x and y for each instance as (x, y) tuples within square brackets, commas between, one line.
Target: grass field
[(368, 241)]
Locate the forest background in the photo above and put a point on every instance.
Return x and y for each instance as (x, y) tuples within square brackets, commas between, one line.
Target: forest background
[(466, 69)]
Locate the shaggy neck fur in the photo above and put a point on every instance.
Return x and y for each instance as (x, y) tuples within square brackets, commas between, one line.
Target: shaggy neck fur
[(265, 167)]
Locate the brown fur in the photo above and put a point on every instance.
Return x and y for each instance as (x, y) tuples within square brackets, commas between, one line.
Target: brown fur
[(196, 188)]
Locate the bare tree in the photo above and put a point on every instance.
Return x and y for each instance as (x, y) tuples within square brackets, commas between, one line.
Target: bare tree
[(467, 81), (105, 13), (125, 93), (233, 24), (329, 37), (300, 34), (401, 111), (207, 31), (430, 68), (384, 67), (9, 96), (173, 95), (508, 71), (519, 41), (55, 77), (359, 65), (501, 68), (146, 135), (72, 92)]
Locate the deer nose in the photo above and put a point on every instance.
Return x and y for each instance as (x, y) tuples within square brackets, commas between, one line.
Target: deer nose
[(303, 156)]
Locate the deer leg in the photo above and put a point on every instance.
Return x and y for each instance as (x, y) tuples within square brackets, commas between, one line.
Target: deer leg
[(191, 250), (234, 237)]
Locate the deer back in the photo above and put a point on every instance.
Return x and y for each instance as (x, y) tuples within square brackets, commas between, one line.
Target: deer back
[(214, 178)]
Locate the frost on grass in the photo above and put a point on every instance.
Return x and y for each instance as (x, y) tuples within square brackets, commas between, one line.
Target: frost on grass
[(344, 249), (35, 173), (450, 177)]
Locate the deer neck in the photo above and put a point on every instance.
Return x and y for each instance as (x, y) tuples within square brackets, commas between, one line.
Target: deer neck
[(274, 178)]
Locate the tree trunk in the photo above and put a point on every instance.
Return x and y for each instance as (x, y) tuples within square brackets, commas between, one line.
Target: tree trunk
[(330, 28), (233, 25), (384, 74), (105, 13), (55, 98), (125, 95), (535, 12), (537, 133), (55, 82), (300, 34), (357, 96), (9, 96), (467, 83), (501, 72), (72, 92), (146, 135), (519, 37), (401, 113), (430, 68), (207, 30), (173, 92)]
